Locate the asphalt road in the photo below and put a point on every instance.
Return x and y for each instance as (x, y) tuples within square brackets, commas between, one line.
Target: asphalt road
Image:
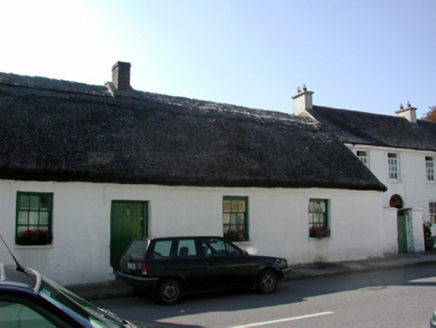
[(394, 298)]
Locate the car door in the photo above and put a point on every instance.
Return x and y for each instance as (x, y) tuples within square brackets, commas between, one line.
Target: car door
[(177, 257), (225, 265)]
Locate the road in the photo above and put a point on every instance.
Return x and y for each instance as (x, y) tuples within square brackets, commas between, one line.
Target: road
[(395, 298)]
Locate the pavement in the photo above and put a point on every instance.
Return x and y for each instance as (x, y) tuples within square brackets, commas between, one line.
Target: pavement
[(120, 289)]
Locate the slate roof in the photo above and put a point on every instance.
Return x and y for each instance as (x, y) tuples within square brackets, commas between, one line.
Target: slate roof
[(54, 130), (378, 130)]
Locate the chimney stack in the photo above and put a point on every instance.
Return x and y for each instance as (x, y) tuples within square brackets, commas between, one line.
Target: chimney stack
[(407, 112), (121, 76), (302, 101)]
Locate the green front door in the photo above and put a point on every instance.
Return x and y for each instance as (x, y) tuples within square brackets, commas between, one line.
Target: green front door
[(128, 221), (402, 232)]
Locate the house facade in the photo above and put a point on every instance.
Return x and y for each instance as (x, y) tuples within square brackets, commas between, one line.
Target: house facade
[(400, 151), (84, 169)]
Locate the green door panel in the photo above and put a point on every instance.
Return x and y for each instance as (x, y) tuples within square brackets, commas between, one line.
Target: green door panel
[(402, 232), (128, 221)]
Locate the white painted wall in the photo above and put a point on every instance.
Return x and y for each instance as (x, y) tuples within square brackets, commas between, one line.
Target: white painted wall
[(413, 186), (278, 223)]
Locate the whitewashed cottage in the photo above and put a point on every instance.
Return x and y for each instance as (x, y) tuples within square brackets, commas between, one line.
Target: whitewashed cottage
[(85, 168)]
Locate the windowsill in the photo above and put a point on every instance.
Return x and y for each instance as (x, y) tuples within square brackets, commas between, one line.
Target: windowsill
[(33, 246), (247, 242), (319, 239)]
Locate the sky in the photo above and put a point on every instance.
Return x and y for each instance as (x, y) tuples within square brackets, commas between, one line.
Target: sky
[(365, 55)]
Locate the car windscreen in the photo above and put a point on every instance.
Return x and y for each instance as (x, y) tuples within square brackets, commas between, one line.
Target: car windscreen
[(137, 249), (77, 307)]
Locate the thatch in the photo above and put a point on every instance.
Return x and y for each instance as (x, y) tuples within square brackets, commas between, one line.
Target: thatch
[(378, 130), (63, 131)]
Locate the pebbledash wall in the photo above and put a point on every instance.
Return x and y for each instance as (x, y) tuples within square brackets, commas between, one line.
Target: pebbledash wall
[(278, 224)]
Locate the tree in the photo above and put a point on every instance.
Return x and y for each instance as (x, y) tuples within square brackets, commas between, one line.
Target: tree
[(430, 115)]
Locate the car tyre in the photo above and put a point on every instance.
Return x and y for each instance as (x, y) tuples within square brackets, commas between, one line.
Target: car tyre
[(169, 292), (266, 282)]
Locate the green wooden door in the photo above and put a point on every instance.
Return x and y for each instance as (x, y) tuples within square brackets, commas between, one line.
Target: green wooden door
[(402, 232), (128, 221)]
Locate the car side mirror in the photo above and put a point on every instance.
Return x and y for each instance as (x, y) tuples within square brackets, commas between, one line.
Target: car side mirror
[(244, 253)]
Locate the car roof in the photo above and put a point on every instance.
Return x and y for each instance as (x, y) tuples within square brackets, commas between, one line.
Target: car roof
[(11, 277)]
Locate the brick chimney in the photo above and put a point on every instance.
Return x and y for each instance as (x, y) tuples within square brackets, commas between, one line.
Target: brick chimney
[(302, 102), (407, 112), (121, 76)]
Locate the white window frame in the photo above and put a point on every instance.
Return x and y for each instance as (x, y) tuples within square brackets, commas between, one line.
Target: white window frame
[(429, 168), (432, 211), (393, 166), (364, 158)]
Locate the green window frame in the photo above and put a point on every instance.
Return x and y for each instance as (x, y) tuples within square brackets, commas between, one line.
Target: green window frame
[(319, 222), (235, 218), (34, 212)]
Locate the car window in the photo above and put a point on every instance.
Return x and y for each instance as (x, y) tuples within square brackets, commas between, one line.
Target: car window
[(76, 307), (214, 247), (232, 251), (162, 249), (137, 249), (186, 248), (20, 316)]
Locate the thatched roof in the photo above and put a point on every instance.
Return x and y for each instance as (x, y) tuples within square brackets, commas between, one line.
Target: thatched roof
[(55, 130), (378, 130)]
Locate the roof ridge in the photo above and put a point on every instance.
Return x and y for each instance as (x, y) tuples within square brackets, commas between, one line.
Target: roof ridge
[(38, 83), (354, 111)]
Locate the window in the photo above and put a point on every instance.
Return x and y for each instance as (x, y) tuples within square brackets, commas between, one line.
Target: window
[(14, 314), (34, 218), (432, 211), (174, 248), (186, 248), (214, 247), (235, 220), (318, 218), (162, 249), (429, 168), (363, 156), (396, 201), (393, 166)]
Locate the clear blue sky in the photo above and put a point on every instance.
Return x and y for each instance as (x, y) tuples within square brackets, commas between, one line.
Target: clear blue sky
[(366, 55)]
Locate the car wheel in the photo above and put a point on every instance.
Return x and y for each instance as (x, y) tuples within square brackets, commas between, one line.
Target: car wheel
[(169, 291), (266, 282)]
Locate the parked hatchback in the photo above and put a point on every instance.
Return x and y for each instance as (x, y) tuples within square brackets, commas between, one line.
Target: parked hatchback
[(167, 267)]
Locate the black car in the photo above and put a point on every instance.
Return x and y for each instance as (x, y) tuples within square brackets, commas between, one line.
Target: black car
[(28, 299), (166, 267)]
